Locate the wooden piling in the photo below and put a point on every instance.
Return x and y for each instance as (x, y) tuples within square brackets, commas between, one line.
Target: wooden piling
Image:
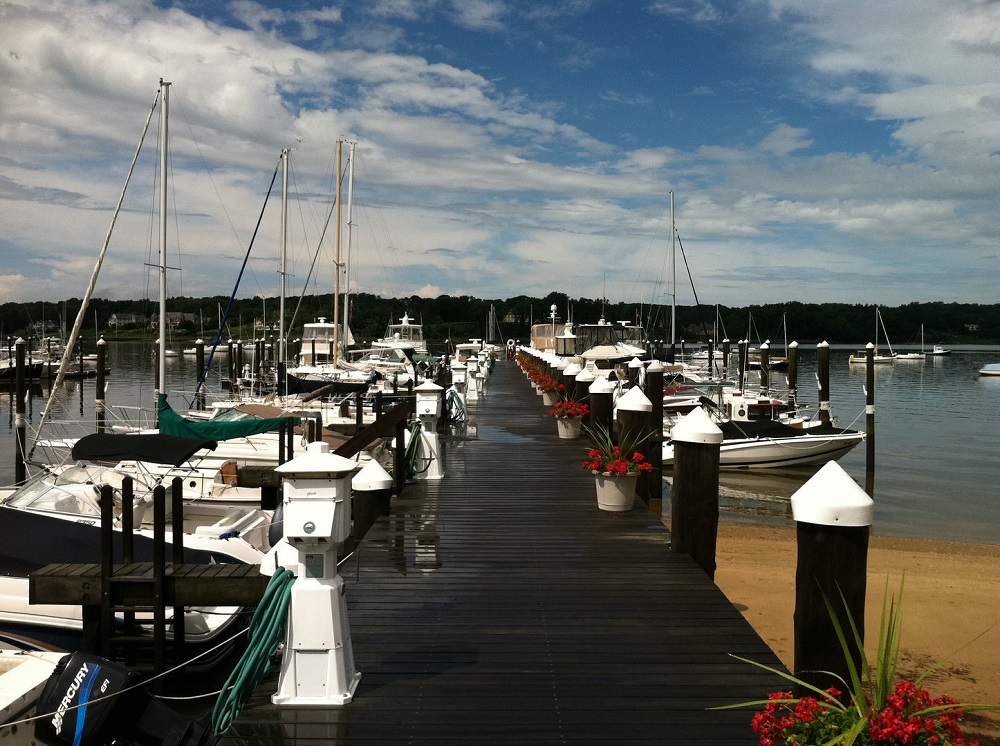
[(694, 495), (742, 363), (833, 518), (823, 380), (99, 405), (654, 447), (634, 432), (870, 421), (602, 405), (764, 359), (793, 373)]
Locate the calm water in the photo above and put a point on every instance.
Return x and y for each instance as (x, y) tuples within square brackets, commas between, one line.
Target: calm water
[(937, 472)]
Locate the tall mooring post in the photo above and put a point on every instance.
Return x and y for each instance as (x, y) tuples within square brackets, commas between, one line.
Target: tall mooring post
[(833, 518), (602, 393), (694, 497), (634, 430), (654, 447), (793, 373), (870, 420), (99, 405)]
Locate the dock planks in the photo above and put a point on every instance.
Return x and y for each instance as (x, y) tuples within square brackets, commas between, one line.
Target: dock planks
[(501, 605)]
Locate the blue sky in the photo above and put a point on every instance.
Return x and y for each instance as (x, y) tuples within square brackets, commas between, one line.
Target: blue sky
[(817, 151)]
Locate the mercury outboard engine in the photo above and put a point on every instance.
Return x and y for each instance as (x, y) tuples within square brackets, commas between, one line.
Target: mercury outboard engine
[(91, 700)]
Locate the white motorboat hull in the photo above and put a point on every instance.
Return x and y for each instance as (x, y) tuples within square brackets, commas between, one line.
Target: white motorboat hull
[(771, 453)]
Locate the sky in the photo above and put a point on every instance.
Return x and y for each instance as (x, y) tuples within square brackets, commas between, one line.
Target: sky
[(815, 150)]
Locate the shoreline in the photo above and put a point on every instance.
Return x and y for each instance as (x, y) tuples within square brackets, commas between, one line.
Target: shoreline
[(950, 607)]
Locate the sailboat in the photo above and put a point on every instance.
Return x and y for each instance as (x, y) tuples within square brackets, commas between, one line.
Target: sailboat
[(914, 355), (861, 356), (53, 516)]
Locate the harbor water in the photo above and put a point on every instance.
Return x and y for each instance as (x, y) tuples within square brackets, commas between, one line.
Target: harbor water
[(937, 472)]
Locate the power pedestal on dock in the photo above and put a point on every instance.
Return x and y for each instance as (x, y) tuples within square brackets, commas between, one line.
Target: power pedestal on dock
[(318, 664), (428, 396)]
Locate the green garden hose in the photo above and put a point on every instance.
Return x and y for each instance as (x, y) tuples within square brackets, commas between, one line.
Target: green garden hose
[(267, 633)]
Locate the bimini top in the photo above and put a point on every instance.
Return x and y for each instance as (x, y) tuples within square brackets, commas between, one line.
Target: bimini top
[(156, 449)]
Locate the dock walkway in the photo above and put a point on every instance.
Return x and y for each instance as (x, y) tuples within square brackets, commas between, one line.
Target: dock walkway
[(501, 605)]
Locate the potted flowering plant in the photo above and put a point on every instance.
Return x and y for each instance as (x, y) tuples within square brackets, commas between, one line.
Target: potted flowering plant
[(605, 457), (569, 408), (879, 709), (568, 414), (615, 468)]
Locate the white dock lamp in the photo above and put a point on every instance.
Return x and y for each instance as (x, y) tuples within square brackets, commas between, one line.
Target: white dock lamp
[(318, 664)]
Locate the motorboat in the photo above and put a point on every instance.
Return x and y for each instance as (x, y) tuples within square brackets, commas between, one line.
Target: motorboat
[(769, 444), (990, 369), (938, 350), (55, 518), (762, 432)]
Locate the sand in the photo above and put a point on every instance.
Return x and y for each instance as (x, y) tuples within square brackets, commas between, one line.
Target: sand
[(951, 602)]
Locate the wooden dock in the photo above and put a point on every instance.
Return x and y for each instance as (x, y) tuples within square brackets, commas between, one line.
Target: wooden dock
[(501, 605)]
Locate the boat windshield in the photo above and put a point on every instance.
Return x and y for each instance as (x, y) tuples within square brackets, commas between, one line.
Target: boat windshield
[(42, 492)]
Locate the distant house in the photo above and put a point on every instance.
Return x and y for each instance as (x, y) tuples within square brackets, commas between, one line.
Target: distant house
[(174, 319), (118, 320)]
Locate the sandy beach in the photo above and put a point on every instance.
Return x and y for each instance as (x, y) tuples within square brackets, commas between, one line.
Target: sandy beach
[(951, 599)]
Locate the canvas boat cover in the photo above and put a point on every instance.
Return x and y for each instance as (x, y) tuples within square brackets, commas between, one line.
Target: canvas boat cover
[(155, 449), (172, 423)]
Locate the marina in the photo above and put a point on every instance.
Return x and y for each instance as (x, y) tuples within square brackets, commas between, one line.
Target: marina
[(934, 439)]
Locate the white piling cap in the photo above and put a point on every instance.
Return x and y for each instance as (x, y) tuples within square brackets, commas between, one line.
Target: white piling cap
[(602, 385), (696, 427), (318, 462), (655, 366), (571, 370), (634, 400), (372, 477), (585, 376), (428, 386), (832, 498)]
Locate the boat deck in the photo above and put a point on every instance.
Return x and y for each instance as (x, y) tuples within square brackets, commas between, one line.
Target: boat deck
[(501, 605)]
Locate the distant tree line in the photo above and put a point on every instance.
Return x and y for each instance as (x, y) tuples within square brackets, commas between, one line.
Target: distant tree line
[(458, 318)]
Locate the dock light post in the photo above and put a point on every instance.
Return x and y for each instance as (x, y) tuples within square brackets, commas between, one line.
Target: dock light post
[(428, 405), (317, 669), (833, 518)]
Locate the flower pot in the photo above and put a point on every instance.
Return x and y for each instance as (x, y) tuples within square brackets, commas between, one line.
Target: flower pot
[(549, 398), (615, 492), (568, 427)]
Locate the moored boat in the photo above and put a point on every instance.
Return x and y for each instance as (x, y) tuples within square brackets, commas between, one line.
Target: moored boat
[(990, 369)]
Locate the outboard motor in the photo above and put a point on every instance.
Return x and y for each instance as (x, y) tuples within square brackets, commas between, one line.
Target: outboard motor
[(91, 700)]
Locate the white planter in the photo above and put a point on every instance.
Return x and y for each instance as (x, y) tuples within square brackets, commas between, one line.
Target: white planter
[(549, 398), (568, 427), (615, 492)]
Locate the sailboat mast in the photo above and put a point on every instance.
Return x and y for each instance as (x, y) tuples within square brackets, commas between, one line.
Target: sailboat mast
[(164, 106), (284, 252), (673, 273), (350, 236), (336, 261)]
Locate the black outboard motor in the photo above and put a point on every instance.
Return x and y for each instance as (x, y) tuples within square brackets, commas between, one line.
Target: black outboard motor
[(89, 700)]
